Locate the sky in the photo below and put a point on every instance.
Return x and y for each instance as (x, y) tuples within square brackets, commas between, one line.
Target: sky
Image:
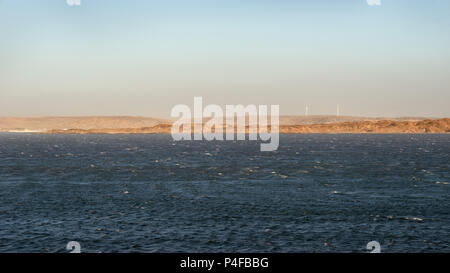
[(130, 57)]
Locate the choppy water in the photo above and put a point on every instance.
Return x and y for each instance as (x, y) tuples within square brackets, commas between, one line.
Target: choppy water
[(146, 193)]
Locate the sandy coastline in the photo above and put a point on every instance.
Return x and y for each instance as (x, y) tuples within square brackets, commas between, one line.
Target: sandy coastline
[(381, 126), (288, 125)]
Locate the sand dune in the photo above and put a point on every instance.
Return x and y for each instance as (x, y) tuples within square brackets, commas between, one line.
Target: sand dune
[(43, 124), (288, 124), (84, 123), (374, 126), (326, 119)]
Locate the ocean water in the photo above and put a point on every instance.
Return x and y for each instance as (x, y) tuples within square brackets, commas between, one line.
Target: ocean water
[(146, 193)]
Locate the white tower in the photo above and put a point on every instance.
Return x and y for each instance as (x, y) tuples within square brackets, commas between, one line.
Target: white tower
[(337, 110), (306, 110)]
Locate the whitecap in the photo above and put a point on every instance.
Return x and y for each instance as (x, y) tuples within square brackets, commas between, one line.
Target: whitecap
[(417, 219)]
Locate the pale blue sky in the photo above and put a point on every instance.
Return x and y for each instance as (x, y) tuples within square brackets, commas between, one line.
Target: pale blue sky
[(122, 57)]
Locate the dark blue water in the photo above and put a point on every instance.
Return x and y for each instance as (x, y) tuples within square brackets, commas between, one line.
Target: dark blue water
[(146, 193)]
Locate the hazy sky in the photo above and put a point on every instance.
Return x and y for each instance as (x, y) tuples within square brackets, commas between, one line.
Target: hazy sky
[(122, 57)]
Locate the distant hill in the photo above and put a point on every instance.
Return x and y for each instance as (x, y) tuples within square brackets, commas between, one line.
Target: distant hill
[(328, 119), (372, 126), (43, 124), (85, 123)]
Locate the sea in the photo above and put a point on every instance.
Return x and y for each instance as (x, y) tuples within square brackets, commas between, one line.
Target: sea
[(148, 193)]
